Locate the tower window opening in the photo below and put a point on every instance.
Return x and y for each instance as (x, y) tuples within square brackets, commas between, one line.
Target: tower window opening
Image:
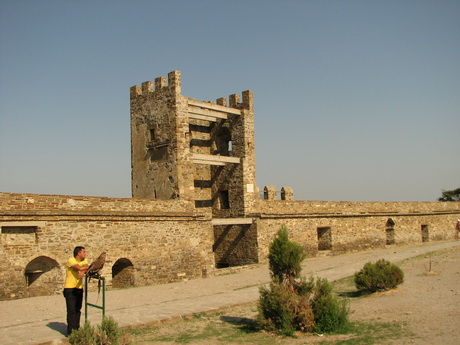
[(224, 142), (224, 200)]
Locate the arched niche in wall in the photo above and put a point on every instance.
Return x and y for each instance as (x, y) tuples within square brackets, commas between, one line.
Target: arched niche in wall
[(123, 273), (43, 277)]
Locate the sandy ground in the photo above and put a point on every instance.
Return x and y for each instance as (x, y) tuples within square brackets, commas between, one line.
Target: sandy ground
[(427, 304), (429, 300)]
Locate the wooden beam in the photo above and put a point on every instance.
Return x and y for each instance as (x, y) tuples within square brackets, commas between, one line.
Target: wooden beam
[(24, 224), (212, 106), (207, 112), (201, 117), (197, 161), (214, 158), (231, 221)]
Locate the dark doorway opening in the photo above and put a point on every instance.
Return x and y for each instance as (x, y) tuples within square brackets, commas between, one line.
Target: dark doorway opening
[(425, 233), (324, 238), (390, 232)]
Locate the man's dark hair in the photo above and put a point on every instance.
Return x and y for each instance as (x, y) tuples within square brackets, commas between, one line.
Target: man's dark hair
[(77, 250)]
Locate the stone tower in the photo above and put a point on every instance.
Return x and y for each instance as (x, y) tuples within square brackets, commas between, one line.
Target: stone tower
[(183, 148)]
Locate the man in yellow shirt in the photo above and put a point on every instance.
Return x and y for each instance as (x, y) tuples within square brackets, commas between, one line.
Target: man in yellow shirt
[(75, 270)]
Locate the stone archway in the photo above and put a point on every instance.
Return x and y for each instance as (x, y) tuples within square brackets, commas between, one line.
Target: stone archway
[(123, 273), (43, 277)]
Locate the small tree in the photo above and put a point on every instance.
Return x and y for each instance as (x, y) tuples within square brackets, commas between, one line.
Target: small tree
[(285, 257), (292, 303), (450, 195), (284, 305)]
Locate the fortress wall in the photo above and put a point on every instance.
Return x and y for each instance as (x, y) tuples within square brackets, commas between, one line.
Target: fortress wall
[(353, 226), (160, 241), (311, 208), (235, 245), (157, 241), (17, 204)]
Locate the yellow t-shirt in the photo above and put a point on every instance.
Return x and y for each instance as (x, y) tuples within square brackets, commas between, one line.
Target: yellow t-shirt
[(71, 275)]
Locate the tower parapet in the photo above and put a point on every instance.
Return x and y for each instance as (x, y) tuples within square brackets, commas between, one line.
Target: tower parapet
[(157, 139), (174, 81), (287, 193), (235, 101), (174, 84), (269, 193), (191, 149)]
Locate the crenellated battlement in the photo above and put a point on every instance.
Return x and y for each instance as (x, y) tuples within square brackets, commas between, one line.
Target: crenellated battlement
[(270, 193), (169, 131), (174, 82), (235, 100), (147, 87)]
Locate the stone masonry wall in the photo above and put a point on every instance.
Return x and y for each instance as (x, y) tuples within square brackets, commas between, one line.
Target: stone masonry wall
[(171, 136), (164, 240), (235, 245), (354, 225), (237, 179), (156, 138), (161, 241)]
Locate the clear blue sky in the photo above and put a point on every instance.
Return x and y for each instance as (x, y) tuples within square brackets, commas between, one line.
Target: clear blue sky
[(354, 100)]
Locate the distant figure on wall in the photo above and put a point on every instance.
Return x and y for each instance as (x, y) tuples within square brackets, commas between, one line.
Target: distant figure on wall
[(75, 269)]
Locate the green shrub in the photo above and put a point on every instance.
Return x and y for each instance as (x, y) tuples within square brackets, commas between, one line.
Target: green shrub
[(291, 304), (283, 311), (379, 276), (108, 333), (285, 257), (274, 313), (331, 315), (284, 305), (83, 336)]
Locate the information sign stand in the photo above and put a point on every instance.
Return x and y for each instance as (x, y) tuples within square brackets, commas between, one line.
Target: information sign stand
[(87, 304)]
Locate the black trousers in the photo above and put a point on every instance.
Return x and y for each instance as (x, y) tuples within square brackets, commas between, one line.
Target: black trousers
[(74, 301)]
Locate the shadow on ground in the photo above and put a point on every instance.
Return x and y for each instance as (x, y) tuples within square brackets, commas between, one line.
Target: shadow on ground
[(58, 326), (245, 324)]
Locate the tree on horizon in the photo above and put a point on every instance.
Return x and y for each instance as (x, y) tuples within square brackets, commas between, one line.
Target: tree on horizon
[(450, 195)]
